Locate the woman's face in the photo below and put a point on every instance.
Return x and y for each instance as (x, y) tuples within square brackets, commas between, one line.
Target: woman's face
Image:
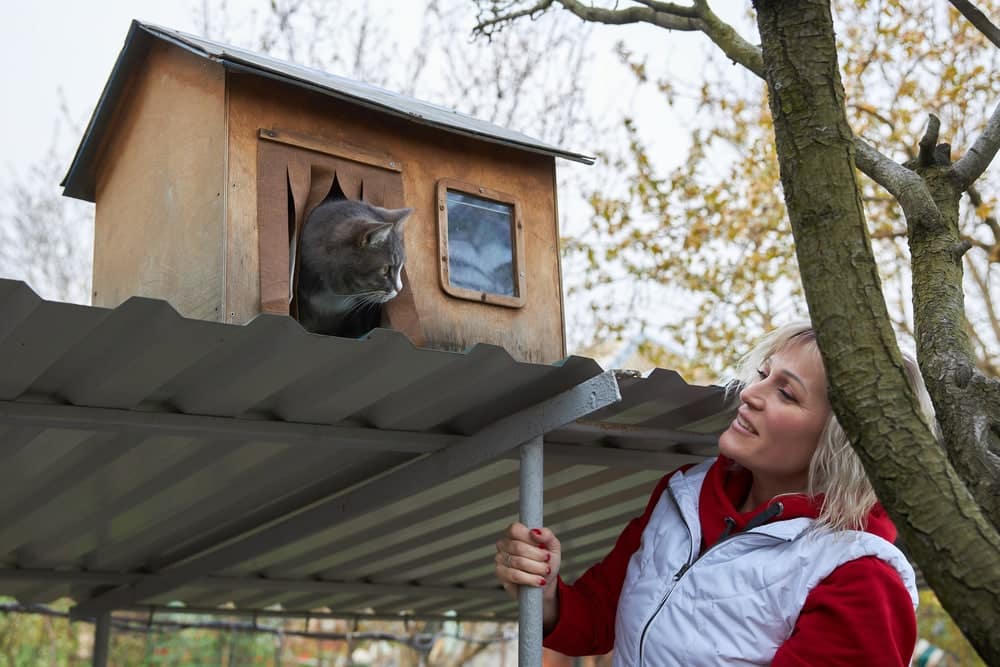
[(778, 424)]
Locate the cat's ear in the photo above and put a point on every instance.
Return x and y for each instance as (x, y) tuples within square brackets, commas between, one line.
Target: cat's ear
[(397, 216), (375, 233)]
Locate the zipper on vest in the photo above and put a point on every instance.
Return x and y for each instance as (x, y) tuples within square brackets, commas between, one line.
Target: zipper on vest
[(771, 512), (680, 573), (726, 534)]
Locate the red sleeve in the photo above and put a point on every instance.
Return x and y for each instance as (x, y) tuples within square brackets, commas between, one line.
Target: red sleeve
[(587, 609), (859, 615)]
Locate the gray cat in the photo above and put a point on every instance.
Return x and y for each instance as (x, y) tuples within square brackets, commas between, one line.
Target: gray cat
[(350, 259)]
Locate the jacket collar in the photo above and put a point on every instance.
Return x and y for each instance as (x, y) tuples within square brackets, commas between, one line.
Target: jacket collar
[(726, 486)]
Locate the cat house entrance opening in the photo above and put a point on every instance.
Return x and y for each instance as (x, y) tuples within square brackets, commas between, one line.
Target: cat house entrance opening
[(481, 239)]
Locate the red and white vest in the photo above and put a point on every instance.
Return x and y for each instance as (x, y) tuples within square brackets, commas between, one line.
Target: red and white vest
[(739, 601)]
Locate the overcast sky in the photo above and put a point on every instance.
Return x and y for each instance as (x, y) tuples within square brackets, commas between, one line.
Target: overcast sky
[(48, 45)]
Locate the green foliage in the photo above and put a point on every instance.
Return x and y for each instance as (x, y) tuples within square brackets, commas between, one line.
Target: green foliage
[(186, 640), (28, 640)]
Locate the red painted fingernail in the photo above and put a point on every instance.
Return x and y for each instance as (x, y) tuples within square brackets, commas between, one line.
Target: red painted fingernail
[(548, 557), (548, 570), (535, 531), (542, 582)]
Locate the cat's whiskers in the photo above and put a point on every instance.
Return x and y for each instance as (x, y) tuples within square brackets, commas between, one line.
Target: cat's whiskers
[(356, 294), (365, 300)]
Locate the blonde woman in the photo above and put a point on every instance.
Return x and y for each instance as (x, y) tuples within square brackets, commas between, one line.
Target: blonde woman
[(774, 553)]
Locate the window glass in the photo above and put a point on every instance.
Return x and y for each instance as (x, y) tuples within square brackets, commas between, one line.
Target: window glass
[(480, 244)]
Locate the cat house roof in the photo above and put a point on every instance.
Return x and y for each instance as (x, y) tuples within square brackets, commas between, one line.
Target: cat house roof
[(80, 179), (150, 459)]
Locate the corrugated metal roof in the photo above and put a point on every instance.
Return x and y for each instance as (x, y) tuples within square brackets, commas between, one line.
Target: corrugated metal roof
[(176, 459), (79, 181)]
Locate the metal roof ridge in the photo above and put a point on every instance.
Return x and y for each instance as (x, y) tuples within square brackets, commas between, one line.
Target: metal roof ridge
[(78, 185)]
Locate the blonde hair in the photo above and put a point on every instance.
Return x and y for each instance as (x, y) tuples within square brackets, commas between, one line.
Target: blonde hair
[(835, 469)]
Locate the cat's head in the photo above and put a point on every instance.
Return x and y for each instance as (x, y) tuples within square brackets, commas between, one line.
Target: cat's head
[(357, 248)]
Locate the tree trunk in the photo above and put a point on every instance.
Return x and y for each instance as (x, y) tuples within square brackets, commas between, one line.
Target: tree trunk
[(957, 549), (962, 395)]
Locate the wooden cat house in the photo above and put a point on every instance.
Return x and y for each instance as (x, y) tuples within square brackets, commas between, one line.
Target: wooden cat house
[(204, 159)]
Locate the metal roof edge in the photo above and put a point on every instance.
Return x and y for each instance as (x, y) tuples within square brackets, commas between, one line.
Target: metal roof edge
[(232, 60), (78, 185), (249, 68)]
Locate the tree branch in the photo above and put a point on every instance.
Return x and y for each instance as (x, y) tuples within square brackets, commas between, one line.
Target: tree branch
[(488, 26), (894, 177), (732, 44), (974, 163), (670, 8), (667, 18), (978, 19), (698, 17), (928, 143)]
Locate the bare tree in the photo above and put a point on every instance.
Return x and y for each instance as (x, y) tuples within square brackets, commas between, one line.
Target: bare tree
[(45, 239)]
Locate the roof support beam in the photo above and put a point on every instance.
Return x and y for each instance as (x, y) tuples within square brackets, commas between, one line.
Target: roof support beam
[(349, 614), (47, 415), (315, 586), (41, 415), (20, 413), (490, 443), (102, 639)]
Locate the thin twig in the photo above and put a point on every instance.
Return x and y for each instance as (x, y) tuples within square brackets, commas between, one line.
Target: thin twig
[(978, 19)]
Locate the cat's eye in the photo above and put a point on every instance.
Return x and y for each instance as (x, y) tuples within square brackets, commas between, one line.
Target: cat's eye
[(386, 269)]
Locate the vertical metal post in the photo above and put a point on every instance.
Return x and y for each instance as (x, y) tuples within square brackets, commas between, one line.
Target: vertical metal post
[(102, 639), (529, 636)]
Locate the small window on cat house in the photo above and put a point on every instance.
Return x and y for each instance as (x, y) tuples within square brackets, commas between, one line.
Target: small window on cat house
[(481, 237)]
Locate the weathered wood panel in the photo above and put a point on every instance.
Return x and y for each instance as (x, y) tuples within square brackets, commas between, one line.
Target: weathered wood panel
[(160, 188), (531, 333)]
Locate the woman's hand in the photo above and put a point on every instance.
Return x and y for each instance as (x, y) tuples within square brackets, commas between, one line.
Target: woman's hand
[(531, 557)]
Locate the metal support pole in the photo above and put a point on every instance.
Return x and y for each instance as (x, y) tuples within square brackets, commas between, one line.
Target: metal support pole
[(102, 639), (529, 637)]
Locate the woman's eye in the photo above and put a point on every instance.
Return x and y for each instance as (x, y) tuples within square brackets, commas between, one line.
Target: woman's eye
[(786, 395), (761, 374)]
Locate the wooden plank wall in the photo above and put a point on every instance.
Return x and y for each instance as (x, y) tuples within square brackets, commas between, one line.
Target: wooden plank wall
[(160, 188), (531, 333)]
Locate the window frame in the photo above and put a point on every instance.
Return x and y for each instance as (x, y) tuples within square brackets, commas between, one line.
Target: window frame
[(517, 239)]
